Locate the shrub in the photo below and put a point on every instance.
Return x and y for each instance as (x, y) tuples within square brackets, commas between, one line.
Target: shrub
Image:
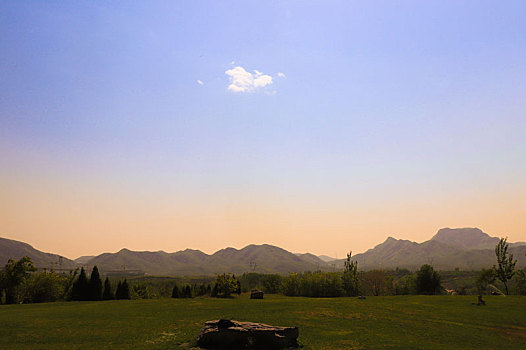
[(225, 285)]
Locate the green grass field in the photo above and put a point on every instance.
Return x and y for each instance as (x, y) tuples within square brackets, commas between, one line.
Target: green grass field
[(403, 322)]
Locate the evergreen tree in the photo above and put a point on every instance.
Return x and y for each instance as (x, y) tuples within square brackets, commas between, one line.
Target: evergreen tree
[(107, 295), (175, 292), (187, 291), (125, 290), (95, 285), (79, 290), (213, 293), (118, 291)]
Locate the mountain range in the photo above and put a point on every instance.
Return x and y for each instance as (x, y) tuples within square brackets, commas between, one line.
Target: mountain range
[(448, 249), (463, 248)]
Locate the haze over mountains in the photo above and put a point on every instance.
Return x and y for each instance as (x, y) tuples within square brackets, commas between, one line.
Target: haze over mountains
[(464, 248)]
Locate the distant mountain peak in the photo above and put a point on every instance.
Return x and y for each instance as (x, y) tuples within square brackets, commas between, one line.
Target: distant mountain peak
[(465, 238)]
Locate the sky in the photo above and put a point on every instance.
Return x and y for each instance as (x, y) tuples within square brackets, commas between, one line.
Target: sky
[(318, 126)]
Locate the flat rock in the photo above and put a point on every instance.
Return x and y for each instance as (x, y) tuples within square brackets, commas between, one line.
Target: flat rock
[(231, 334)]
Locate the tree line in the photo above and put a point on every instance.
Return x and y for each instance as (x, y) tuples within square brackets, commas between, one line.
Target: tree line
[(91, 288), (20, 282), (225, 286)]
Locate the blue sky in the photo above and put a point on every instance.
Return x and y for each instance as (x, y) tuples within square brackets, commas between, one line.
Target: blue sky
[(379, 104)]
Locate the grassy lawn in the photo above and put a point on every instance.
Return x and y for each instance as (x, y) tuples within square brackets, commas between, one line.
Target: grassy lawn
[(403, 322)]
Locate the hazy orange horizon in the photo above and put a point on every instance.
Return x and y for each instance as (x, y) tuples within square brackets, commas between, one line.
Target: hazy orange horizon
[(72, 219)]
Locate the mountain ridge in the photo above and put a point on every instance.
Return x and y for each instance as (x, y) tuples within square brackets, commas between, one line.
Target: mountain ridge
[(464, 248)]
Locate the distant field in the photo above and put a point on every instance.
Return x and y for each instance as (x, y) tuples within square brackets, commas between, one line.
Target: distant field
[(403, 322)]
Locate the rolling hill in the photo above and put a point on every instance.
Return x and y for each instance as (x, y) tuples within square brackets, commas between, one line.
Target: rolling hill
[(11, 249), (259, 258)]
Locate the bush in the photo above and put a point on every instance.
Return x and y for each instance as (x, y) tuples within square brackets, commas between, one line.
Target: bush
[(225, 285), (43, 287)]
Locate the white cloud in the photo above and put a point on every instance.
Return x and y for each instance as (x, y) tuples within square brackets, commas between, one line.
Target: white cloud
[(200, 82), (243, 81), (281, 75)]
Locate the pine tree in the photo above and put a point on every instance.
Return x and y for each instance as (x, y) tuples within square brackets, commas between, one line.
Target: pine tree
[(79, 289), (118, 292), (175, 292), (107, 295), (125, 290), (95, 285), (187, 291)]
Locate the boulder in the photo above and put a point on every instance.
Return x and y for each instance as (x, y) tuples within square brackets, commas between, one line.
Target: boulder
[(256, 294), (231, 334)]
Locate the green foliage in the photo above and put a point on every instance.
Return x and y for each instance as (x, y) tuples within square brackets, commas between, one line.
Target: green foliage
[(405, 285), (108, 293), (427, 281), (42, 287), (200, 289), (226, 285), (374, 282), (350, 277), (14, 274), (141, 291), (95, 285), (505, 263), (79, 290), (268, 283), (484, 279), (520, 282), (313, 284)]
